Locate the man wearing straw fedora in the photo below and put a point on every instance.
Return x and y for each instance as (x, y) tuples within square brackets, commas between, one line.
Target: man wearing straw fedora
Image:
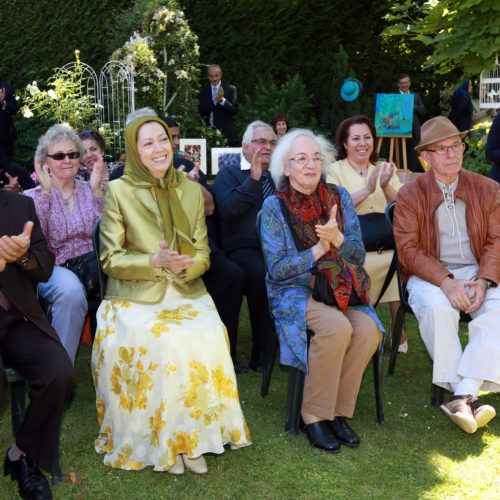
[(447, 231)]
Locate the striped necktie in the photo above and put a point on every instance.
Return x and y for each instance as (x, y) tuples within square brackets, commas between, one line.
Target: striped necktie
[(214, 95), (267, 185)]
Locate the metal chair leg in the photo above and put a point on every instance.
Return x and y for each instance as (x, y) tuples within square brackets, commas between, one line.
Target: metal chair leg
[(396, 337), (55, 468), (269, 357), (437, 395), (294, 400), (379, 382)]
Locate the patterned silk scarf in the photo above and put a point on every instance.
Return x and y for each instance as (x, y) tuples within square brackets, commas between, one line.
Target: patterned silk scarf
[(306, 211)]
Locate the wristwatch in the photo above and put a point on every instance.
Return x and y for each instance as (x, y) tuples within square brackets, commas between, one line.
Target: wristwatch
[(24, 261), (489, 283)]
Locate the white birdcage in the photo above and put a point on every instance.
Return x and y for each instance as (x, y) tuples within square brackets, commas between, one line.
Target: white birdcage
[(489, 87)]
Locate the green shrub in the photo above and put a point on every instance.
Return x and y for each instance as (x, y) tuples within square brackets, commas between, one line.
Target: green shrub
[(270, 98), (475, 156)]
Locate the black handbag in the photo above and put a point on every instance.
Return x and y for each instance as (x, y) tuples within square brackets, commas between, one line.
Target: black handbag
[(85, 267), (377, 235)]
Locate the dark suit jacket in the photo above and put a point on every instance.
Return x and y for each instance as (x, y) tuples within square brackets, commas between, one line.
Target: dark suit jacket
[(16, 283), (7, 130), (223, 114), (239, 199)]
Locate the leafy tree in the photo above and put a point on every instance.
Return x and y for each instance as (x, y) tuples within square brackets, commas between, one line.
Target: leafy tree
[(462, 33)]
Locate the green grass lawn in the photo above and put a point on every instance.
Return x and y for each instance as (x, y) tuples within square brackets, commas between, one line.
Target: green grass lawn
[(418, 453)]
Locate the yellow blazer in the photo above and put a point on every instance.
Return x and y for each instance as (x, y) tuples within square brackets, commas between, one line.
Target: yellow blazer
[(130, 231)]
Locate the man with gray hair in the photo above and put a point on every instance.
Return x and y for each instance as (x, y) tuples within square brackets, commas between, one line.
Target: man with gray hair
[(218, 103), (239, 191), (447, 231)]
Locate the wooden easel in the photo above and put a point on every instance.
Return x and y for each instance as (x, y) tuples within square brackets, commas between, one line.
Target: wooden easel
[(395, 142)]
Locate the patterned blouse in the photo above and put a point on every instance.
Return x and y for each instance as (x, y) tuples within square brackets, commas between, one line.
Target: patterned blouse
[(69, 234), (289, 276)]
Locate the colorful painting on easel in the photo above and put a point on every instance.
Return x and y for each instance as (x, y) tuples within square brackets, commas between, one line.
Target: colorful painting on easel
[(394, 115)]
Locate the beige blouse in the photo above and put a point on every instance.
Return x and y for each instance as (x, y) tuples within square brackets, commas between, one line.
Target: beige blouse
[(342, 174)]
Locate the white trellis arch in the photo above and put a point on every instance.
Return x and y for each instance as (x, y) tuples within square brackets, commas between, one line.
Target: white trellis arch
[(116, 99), (489, 87), (113, 94)]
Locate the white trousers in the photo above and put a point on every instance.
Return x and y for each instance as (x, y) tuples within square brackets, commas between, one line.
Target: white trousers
[(438, 323)]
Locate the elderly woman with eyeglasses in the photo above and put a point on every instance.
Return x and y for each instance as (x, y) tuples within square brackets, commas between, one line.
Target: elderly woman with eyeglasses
[(68, 209), (310, 232)]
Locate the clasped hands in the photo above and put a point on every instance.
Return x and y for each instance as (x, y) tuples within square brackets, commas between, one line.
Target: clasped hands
[(467, 300), (328, 234), (385, 170), (172, 260), (15, 248)]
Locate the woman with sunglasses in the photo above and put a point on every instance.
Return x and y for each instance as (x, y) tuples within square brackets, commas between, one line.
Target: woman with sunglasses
[(68, 209)]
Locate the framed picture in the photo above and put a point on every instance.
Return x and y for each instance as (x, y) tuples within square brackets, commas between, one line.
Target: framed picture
[(222, 157), (394, 115), (195, 150)]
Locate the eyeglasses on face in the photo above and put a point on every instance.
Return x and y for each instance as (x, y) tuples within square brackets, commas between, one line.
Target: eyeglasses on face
[(265, 142), (72, 155), (456, 147), (302, 158)]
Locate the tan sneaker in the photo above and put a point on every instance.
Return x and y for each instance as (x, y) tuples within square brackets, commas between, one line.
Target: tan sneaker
[(482, 412), (461, 413)]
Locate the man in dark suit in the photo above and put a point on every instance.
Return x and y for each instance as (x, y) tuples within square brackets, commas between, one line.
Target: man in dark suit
[(29, 344), (404, 84), (239, 191), (218, 103), (8, 108)]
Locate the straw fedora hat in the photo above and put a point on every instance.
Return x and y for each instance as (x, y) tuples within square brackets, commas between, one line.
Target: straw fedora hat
[(436, 129)]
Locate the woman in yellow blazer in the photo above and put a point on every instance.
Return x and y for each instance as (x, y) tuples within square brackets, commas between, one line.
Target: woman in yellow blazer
[(165, 384)]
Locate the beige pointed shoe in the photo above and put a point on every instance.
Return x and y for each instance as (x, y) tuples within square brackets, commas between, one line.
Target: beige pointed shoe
[(178, 468), (197, 465)]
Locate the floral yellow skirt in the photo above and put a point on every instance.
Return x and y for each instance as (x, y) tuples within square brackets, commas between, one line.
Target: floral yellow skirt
[(165, 382)]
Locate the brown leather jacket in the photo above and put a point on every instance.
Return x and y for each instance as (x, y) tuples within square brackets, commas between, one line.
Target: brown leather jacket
[(416, 227)]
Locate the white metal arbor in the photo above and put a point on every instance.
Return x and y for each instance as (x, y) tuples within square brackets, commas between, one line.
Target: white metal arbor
[(113, 94), (489, 87)]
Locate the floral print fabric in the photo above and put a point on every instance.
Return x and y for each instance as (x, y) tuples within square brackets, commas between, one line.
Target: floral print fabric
[(165, 382)]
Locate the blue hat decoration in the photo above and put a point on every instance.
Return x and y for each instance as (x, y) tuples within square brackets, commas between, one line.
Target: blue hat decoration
[(350, 89)]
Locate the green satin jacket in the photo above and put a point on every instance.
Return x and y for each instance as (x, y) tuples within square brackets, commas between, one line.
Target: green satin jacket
[(130, 231)]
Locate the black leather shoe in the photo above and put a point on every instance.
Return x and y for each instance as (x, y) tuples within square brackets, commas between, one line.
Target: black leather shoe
[(320, 436), (257, 361), (240, 367), (344, 433), (33, 485)]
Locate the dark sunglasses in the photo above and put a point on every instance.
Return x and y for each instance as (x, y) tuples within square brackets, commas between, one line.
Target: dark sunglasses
[(72, 155)]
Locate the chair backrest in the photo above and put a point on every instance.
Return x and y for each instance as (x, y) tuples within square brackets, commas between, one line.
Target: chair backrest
[(257, 222), (95, 241), (403, 294)]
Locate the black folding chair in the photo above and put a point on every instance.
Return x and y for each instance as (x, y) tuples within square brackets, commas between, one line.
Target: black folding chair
[(296, 377), (95, 241), (437, 393)]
